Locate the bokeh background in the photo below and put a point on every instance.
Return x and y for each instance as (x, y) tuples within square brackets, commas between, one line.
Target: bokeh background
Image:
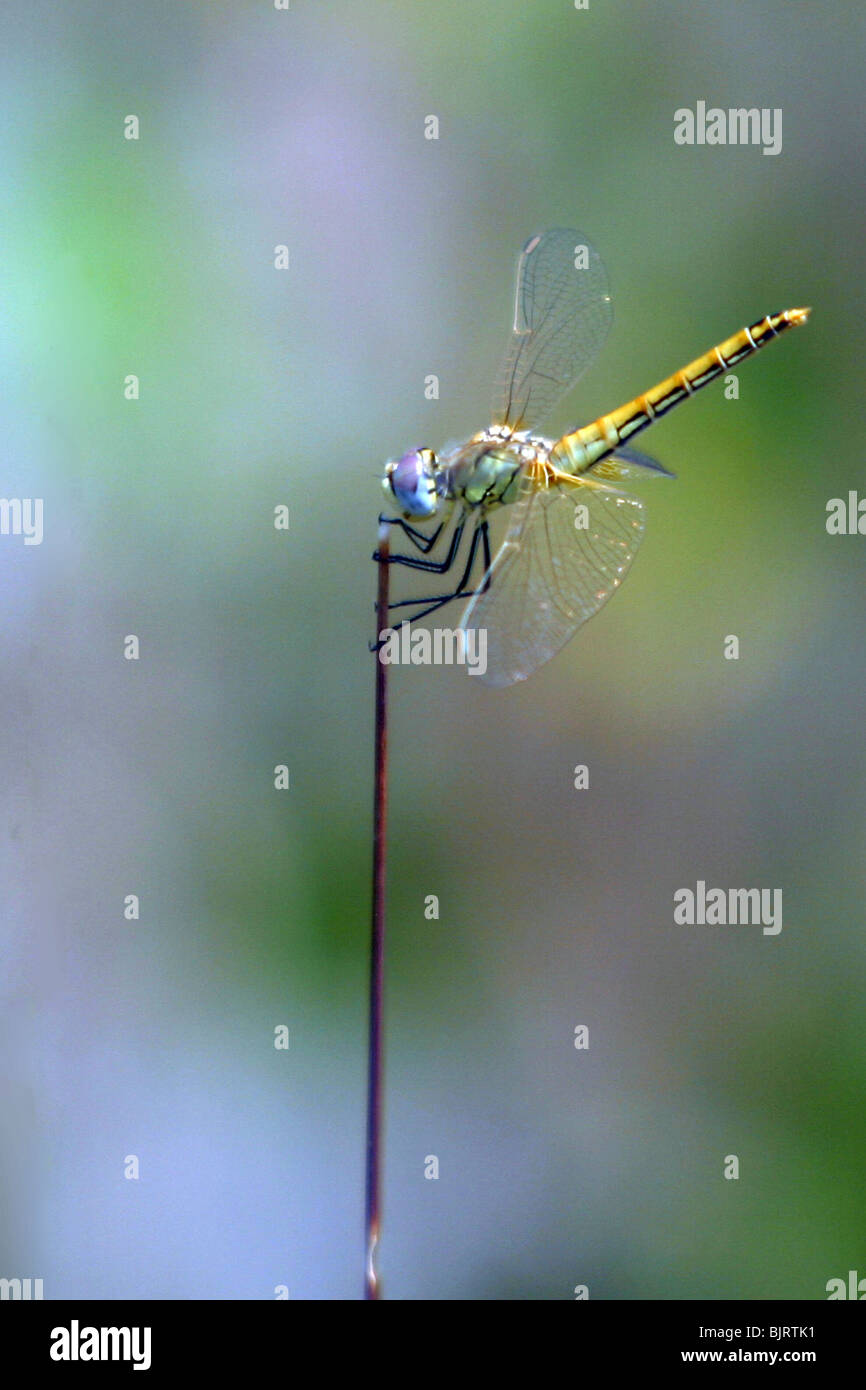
[(260, 387)]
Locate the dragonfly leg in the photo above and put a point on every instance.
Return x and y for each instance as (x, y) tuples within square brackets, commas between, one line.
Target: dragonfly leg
[(423, 543), (485, 541), (481, 537), (431, 566)]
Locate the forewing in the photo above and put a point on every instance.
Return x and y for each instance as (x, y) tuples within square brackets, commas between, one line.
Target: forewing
[(562, 314), (554, 570)]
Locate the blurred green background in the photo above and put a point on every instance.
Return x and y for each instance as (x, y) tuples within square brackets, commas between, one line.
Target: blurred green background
[(259, 387)]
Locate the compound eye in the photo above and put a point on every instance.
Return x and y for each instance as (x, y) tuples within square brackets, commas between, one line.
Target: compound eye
[(413, 483), (407, 471)]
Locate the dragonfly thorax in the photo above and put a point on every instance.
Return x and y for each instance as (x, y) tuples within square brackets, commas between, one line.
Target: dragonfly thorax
[(491, 470), (488, 471)]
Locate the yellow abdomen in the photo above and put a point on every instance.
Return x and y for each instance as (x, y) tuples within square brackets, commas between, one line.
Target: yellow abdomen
[(578, 451)]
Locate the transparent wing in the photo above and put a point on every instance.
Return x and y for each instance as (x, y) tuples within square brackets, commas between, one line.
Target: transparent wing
[(562, 314), (565, 553)]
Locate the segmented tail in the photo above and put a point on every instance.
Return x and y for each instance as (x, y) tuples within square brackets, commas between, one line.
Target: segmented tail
[(578, 451)]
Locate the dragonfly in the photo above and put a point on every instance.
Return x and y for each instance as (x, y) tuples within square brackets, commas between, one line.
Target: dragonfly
[(573, 529)]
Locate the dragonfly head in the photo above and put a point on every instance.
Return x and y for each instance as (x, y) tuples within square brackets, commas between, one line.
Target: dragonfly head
[(411, 480)]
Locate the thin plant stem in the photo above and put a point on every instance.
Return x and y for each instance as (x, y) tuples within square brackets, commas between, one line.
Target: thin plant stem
[(372, 1286)]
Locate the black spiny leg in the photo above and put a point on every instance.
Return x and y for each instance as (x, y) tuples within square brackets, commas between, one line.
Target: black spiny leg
[(432, 566), (423, 543), (461, 592)]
